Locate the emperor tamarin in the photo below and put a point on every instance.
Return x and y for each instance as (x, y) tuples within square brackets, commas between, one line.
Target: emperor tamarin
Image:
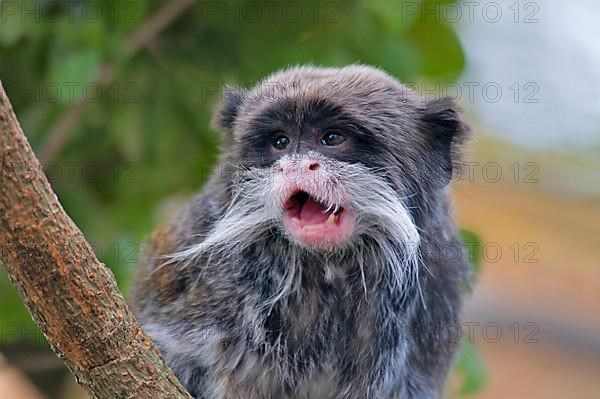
[(312, 263)]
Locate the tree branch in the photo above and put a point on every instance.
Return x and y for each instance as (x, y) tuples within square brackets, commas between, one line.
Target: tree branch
[(72, 297), (156, 24)]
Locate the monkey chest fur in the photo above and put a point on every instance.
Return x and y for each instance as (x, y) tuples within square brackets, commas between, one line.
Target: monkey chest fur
[(310, 332)]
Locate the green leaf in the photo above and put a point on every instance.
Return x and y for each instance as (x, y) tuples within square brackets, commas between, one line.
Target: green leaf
[(396, 56), (125, 128), (395, 16), (12, 28), (473, 246), (470, 369), (441, 51), (74, 75)]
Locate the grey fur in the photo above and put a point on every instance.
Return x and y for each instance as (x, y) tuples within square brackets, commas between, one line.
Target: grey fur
[(241, 310)]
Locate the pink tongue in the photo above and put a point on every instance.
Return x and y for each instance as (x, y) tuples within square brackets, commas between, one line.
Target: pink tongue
[(312, 212)]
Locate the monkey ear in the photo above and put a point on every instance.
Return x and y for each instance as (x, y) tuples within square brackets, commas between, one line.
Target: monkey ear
[(447, 136), (227, 112)]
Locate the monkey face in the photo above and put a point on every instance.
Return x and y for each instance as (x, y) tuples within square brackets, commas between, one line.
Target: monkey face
[(307, 145), (329, 156)]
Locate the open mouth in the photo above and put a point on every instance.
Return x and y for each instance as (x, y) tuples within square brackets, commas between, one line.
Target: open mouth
[(314, 223)]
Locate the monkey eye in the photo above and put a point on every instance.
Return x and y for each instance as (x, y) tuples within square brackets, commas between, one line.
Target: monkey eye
[(281, 142), (332, 138)]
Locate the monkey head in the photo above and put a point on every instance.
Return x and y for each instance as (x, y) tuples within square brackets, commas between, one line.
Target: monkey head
[(327, 158)]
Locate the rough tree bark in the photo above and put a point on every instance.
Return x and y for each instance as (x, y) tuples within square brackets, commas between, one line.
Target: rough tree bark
[(72, 297)]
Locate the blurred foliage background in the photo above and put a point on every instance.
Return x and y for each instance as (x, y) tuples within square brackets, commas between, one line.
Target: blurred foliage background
[(116, 99)]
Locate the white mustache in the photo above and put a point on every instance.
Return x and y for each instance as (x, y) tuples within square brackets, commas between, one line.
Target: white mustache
[(259, 194), (256, 208)]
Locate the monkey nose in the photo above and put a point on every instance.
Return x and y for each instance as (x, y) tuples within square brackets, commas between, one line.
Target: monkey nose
[(299, 170), (314, 166), (299, 167)]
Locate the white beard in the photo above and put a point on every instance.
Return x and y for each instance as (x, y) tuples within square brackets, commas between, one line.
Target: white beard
[(256, 208)]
